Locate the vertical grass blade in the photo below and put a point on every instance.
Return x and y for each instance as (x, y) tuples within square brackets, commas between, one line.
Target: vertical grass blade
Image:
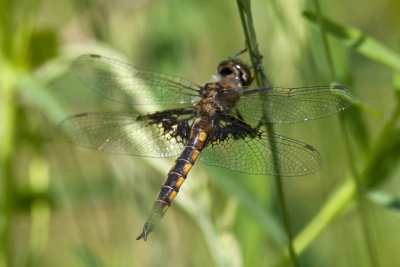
[(262, 80), (360, 42)]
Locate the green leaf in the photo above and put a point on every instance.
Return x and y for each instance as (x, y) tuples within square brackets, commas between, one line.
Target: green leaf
[(43, 46), (362, 43), (234, 185), (383, 161), (385, 200), (41, 97), (87, 256)]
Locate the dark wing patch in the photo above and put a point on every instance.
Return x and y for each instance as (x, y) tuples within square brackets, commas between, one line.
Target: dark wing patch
[(291, 105), (123, 83), (250, 152), (155, 135)]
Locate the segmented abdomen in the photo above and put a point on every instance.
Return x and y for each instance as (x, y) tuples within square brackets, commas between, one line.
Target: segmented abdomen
[(177, 174)]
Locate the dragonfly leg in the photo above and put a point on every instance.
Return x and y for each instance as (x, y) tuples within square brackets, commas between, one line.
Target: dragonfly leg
[(238, 53), (238, 114), (258, 70)]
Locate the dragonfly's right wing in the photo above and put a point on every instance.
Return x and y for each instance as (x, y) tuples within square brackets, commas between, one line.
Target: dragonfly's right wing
[(123, 83), (291, 105), (254, 155), (237, 146), (161, 134)]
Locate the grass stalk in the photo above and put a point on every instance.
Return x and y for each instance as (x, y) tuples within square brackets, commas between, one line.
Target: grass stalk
[(39, 179), (7, 135), (262, 80), (325, 39), (364, 213), (362, 205), (15, 37), (347, 191)]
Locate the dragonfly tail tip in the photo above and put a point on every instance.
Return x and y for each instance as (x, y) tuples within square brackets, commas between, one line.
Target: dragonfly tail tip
[(142, 235)]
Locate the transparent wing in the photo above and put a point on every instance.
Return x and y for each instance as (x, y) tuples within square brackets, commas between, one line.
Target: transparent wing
[(254, 155), (123, 83), (128, 133), (291, 105)]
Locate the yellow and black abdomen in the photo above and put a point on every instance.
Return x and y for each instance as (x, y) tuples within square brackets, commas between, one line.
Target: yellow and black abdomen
[(177, 174)]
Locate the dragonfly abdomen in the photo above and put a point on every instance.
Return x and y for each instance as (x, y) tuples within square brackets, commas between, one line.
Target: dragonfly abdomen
[(177, 175)]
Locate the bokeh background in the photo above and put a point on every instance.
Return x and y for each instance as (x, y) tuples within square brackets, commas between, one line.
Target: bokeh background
[(63, 205)]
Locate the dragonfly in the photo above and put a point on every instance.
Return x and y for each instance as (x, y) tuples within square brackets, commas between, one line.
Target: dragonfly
[(219, 123)]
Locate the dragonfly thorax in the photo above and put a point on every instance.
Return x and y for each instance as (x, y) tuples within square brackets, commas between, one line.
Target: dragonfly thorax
[(207, 105), (217, 97)]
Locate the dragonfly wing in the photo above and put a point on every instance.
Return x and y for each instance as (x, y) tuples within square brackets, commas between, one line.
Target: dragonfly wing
[(123, 83), (291, 105), (154, 135), (253, 154)]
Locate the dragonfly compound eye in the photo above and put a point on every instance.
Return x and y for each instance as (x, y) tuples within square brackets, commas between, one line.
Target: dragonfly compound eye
[(226, 71)]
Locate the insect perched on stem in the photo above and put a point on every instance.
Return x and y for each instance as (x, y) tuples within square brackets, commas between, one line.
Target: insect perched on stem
[(214, 122)]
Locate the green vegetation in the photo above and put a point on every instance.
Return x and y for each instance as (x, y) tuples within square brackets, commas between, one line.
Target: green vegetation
[(62, 205)]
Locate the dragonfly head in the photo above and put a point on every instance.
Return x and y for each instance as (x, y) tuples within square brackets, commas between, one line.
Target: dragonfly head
[(234, 68)]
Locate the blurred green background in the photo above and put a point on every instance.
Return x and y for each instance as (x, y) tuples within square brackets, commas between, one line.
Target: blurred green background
[(63, 205)]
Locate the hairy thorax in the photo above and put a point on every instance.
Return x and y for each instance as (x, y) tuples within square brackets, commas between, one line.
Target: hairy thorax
[(217, 97)]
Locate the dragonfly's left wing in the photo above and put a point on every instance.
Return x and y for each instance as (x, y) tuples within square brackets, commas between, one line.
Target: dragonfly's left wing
[(123, 83), (161, 134)]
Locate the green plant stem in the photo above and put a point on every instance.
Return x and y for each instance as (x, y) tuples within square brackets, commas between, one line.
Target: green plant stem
[(251, 41), (39, 178), (325, 39), (262, 80), (345, 193), (17, 22), (7, 133), (329, 211), (363, 207), (360, 42), (365, 216)]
